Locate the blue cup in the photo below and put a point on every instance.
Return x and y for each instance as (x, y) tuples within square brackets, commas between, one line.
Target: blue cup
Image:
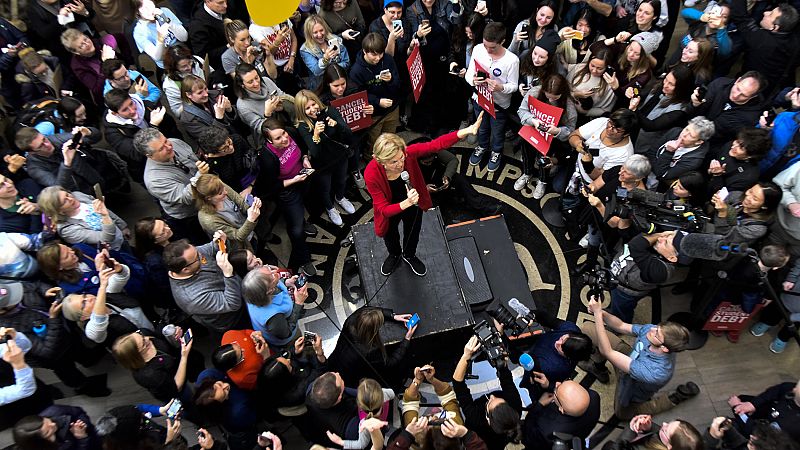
[(526, 361)]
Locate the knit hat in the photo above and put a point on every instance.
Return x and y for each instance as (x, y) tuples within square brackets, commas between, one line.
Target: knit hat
[(648, 40), (10, 294), (683, 259), (549, 41), (386, 3)]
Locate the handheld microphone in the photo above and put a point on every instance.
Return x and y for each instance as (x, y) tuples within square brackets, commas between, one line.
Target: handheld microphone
[(406, 179), (712, 247)]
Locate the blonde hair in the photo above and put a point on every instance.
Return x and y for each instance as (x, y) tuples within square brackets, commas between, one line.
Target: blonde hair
[(207, 185), (69, 36), (301, 101), (637, 68), (308, 32), (386, 146), (369, 397), (189, 84), (50, 203), (233, 28), (127, 353)]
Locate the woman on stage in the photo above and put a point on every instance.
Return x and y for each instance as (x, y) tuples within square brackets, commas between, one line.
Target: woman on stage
[(396, 197)]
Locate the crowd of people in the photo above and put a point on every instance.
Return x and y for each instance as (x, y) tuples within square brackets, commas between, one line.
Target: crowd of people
[(230, 124)]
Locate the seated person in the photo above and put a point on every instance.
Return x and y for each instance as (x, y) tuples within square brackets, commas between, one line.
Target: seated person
[(677, 433), (120, 77), (241, 355), (51, 162), (273, 310), (155, 366), (783, 399), (682, 151), (646, 367), (79, 219), (204, 288), (127, 115), (570, 409)]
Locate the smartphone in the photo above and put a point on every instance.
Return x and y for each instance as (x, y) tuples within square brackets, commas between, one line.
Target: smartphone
[(455, 70), (98, 192), (610, 71), (301, 281), (701, 92), (425, 23), (744, 417), (305, 171), (723, 193), (174, 409), (385, 72), (356, 33), (333, 44), (715, 10), (309, 337), (76, 140), (222, 246), (483, 75), (397, 24), (525, 28), (481, 4), (249, 199), (412, 321), (187, 336), (543, 127), (771, 114), (266, 438), (273, 94), (577, 35)]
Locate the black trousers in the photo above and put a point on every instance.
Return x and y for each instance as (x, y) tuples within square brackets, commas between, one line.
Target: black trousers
[(412, 224)]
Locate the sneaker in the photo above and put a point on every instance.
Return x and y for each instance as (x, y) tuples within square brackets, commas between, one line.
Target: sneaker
[(309, 269), (494, 161), (584, 242), (335, 217), (389, 264), (600, 371), (359, 180), (477, 155), (690, 3), (540, 189), (416, 265), (310, 229), (521, 182), (777, 346), (346, 205), (510, 134), (759, 329), (684, 392)]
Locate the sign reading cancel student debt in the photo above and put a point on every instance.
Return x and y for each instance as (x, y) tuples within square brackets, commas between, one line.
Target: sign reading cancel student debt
[(546, 114), (417, 72), (485, 98), (352, 110)]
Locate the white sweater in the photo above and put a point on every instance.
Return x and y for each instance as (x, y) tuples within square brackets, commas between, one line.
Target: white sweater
[(504, 70)]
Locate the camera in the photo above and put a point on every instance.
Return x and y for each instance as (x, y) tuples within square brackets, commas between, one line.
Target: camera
[(599, 279), (161, 19), (491, 344), (5, 338), (651, 212)]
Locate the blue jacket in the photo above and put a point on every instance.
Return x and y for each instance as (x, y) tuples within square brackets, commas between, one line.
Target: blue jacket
[(153, 93), (724, 44), (783, 130)]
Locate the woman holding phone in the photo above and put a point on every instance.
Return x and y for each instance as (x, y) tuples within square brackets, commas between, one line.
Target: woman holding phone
[(590, 86), (528, 32), (259, 98), (241, 49), (321, 49), (345, 19), (222, 208)]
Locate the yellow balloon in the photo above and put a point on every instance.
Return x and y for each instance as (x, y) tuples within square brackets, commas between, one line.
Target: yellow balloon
[(269, 13)]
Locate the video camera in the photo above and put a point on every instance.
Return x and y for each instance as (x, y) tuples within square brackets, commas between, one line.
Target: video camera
[(652, 212), (599, 279), (516, 318), (491, 344)]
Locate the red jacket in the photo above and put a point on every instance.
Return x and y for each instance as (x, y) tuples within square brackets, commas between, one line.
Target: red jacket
[(378, 184)]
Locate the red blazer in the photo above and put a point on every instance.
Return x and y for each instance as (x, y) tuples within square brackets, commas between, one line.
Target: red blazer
[(378, 184)]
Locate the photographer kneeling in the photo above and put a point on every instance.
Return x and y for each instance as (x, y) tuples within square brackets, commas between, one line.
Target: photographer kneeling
[(601, 191)]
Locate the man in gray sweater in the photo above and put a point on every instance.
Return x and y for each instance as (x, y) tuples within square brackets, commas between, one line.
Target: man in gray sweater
[(203, 283), (169, 172)]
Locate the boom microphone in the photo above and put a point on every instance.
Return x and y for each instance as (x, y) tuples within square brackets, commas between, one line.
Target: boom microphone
[(406, 179), (712, 247)]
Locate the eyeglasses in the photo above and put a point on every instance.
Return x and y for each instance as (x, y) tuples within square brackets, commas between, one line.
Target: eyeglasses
[(615, 127), (656, 331), (126, 76), (555, 396)]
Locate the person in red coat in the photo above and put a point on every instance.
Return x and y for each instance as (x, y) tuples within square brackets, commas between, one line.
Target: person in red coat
[(393, 202)]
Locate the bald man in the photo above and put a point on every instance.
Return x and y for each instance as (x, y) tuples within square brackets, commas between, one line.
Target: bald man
[(569, 409)]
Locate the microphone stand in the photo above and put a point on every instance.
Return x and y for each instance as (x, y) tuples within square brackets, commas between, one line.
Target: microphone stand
[(753, 255)]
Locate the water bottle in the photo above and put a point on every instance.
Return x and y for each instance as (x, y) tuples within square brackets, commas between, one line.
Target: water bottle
[(526, 361), (521, 309), (169, 332)]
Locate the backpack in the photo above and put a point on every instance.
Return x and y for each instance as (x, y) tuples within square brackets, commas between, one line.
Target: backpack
[(39, 114)]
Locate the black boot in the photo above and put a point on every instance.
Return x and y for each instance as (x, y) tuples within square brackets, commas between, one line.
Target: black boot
[(592, 253)]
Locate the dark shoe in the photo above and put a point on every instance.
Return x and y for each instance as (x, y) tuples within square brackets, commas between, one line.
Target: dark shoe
[(309, 269), (274, 239), (600, 371), (684, 392), (94, 386), (310, 229), (416, 265), (389, 264)]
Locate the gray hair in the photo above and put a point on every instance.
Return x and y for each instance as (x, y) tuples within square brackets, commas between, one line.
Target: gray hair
[(143, 138), (256, 288), (703, 126), (638, 166)]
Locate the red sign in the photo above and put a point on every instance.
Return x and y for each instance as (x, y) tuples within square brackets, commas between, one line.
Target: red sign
[(728, 317), (546, 114), (417, 72), (485, 97), (352, 110)]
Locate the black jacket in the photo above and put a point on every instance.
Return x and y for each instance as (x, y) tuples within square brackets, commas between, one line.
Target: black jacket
[(728, 117), (738, 175), (542, 421), (777, 404), (64, 416), (773, 53), (207, 36), (120, 138), (48, 31), (667, 168)]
